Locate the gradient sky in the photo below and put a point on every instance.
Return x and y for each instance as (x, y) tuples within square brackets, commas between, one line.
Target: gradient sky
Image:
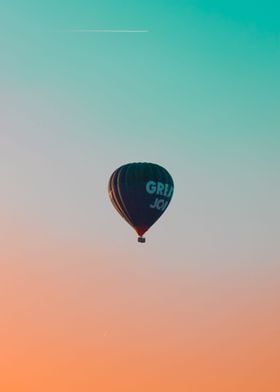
[(84, 307)]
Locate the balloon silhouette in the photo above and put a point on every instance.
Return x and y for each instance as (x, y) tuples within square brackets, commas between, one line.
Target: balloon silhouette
[(141, 192)]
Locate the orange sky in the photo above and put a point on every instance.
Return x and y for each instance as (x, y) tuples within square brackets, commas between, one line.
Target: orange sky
[(77, 319)]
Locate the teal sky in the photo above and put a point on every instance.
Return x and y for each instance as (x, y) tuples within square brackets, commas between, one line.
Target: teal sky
[(198, 93)]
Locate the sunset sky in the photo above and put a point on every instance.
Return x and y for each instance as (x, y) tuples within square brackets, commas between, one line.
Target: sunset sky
[(86, 86)]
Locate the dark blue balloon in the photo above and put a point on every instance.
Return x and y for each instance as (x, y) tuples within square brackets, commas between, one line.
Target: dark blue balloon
[(141, 192)]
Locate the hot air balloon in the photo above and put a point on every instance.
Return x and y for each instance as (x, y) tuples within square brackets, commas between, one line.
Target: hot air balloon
[(141, 192)]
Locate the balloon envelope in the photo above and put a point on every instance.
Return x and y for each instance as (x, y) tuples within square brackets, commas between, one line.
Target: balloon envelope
[(141, 192)]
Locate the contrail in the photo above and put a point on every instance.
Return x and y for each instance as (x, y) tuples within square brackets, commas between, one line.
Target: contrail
[(104, 31)]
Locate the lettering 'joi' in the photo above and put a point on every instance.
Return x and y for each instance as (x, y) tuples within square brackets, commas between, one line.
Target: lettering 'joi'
[(159, 204)]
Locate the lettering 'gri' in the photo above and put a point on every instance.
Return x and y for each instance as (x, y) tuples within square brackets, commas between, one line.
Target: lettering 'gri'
[(160, 189)]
